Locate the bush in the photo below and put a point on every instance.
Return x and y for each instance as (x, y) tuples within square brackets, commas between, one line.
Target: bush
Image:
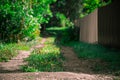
[(63, 21), (90, 5), (21, 19), (7, 52)]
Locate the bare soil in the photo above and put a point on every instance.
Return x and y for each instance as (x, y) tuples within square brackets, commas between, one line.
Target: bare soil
[(14, 64), (51, 76), (74, 68), (81, 66)]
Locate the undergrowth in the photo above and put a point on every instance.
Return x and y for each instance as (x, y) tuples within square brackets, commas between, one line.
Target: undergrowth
[(64, 34), (109, 57), (47, 58), (107, 60), (10, 50)]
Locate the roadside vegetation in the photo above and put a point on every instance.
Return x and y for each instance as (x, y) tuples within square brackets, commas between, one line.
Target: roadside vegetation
[(48, 58), (107, 60), (10, 50), (22, 22)]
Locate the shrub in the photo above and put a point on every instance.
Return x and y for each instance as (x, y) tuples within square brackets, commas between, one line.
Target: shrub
[(7, 52), (21, 19), (90, 5), (63, 20)]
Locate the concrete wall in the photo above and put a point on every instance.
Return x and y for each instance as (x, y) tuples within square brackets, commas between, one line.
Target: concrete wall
[(89, 28)]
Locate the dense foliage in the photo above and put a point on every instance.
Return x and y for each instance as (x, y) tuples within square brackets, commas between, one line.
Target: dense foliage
[(22, 19), (65, 12), (78, 8), (90, 5)]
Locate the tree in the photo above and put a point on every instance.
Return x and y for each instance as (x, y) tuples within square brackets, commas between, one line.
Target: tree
[(22, 18), (73, 9), (90, 5)]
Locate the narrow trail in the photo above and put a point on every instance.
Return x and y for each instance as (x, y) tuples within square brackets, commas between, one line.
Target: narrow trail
[(14, 64), (72, 63), (81, 66), (51, 76), (75, 69)]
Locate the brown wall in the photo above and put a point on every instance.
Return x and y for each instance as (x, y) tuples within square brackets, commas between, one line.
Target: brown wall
[(109, 24), (88, 28), (102, 26)]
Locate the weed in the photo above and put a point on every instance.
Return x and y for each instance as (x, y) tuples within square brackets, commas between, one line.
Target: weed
[(109, 58), (9, 50), (46, 59)]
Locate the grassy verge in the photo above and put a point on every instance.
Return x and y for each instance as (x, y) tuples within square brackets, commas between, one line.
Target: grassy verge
[(47, 58), (109, 58), (9, 50), (64, 34), (106, 60)]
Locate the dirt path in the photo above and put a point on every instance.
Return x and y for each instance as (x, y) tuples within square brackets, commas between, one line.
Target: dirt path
[(51, 76), (14, 64), (75, 69), (81, 66), (72, 63)]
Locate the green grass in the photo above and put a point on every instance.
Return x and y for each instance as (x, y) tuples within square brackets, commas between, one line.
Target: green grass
[(57, 28), (64, 34), (54, 31), (46, 59), (50, 40), (109, 56), (9, 50)]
